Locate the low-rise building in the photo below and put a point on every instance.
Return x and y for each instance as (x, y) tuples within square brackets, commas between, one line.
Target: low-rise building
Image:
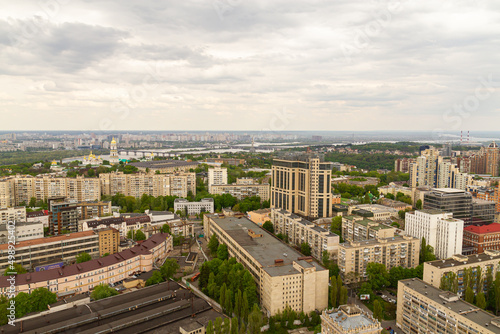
[(284, 276), (165, 166), (481, 238), (439, 229), (434, 270), (15, 214), (301, 231), (61, 248), (83, 277), (397, 205), (377, 211), (193, 208), (422, 308), (109, 240), (22, 231), (392, 252), (355, 228), (41, 216), (260, 216), (241, 191), (349, 319)]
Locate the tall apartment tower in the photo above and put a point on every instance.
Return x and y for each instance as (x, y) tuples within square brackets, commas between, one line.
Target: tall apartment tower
[(492, 159), (216, 175), (113, 156), (424, 172), (458, 202), (302, 185)]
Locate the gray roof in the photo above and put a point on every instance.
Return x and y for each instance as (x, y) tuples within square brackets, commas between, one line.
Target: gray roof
[(354, 321), (266, 249)]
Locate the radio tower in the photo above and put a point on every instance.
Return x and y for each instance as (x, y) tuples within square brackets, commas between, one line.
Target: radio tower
[(461, 137)]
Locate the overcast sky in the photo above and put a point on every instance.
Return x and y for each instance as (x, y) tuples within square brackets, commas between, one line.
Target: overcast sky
[(250, 65)]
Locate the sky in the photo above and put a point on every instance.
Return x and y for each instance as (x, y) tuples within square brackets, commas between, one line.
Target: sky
[(250, 65)]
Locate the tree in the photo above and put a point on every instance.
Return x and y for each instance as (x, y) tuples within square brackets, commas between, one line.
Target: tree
[(418, 205), (210, 327), (305, 249), (83, 257), (130, 234), (497, 292), (41, 298), (218, 326), (245, 308), (213, 244), (165, 228), (343, 296), (139, 235), (333, 291), (469, 295), (156, 278), (222, 252), (16, 269), (268, 226), (234, 325), (325, 258), (426, 252), (169, 268), (377, 276), (481, 301), (23, 304), (377, 310), (103, 291), (336, 226), (254, 320), (91, 172), (226, 326), (32, 202)]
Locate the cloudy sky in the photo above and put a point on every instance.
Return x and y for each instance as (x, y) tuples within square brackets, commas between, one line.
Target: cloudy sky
[(250, 65)]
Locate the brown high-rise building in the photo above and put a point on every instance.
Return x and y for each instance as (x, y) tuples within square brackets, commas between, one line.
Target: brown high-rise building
[(492, 159)]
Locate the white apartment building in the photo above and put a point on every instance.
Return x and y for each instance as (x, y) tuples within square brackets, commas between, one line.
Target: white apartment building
[(15, 214), (216, 175), (449, 176), (22, 230), (193, 208), (300, 230), (439, 229)]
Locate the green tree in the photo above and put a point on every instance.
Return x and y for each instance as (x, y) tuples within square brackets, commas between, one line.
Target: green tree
[(222, 252), (165, 228), (156, 278), (333, 291), (213, 244), (169, 268), (83, 257), (426, 252), (139, 235), (103, 291), (14, 270), (343, 296), (481, 301), (218, 326), (268, 226), (23, 304), (469, 295), (305, 249), (32, 202), (245, 308), (226, 326), (418, 205), (377, 276), (377, 310), (130, 234), (41, 298), (210, 328), (255, 320), (336, 226), (325, 258), (497, 292), (234, 325)]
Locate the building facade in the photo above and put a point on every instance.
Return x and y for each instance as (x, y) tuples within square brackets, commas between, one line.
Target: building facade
[(302, 185), (355, 229), (109, 240), (14, 214), (301, 231), (456, 201), (241, 191), (481, 238), (284, 277), (439, 229), (193, 208), (392, 252), (349, 319), (260, 216), (166, 166), (216, 175), (427, 309)]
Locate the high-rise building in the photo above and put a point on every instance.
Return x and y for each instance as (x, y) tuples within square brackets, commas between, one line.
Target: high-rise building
[(109, 239), (493, 159), (113, 154), (63, 216), (403, 165), (456, 201), (439, 229), (302, 185), (216, 175), (424, 172), (483, 212)]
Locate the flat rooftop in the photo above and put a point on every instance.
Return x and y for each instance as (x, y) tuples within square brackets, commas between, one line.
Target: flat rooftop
[(57, 238), (449, 190), (266, 249), (371, 242), (474, 314), (351, 318), (163, 163), (467, 259)]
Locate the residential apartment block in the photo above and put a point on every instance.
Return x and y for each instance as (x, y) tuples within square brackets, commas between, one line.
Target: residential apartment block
[(426, 309), (392, 252), (260, 216), (434, 270), (216, 175), (481, 238), (241, 191), (439, 229), (136, 185), (109, 239), (284, 276), (14, 214), (302, 185), (301, 231), (62, 248), (373, 211), (193, 208), (83, 277), (349, 319), (355, 228)]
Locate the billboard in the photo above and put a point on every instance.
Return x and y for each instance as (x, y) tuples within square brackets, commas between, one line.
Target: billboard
[(49, 266), (364, 297)]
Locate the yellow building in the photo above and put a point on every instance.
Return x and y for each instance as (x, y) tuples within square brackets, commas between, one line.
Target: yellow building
[(109, 239), (349, 319), (260, 216)]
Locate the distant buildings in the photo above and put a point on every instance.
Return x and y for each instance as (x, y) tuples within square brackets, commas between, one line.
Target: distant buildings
[(193, 208), (301, 231), (392, 252), (216, 175), (242, 189), (440, 230), (91, 159), (481, 238), (113, 159), (226, 161), (355, 229), (374, 211), (165, 166), (284, 277), (349, 319), (397, 205), (403, 165), (15, 214), (456, 201), (422, 308), (302, 185)]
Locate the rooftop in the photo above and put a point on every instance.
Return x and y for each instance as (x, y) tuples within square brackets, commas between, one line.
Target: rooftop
[(460, 260), (453, 303), (266, 249), (371, 242), (491, 228), (350, 317), (163, 163), (57, 238)]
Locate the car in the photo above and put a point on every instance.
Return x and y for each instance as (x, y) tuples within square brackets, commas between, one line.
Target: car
[(384, 296)]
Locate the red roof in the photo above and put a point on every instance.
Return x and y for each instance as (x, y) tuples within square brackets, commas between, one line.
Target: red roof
[(491, 228)]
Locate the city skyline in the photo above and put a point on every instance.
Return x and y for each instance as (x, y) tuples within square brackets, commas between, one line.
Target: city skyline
[(227, 64)]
